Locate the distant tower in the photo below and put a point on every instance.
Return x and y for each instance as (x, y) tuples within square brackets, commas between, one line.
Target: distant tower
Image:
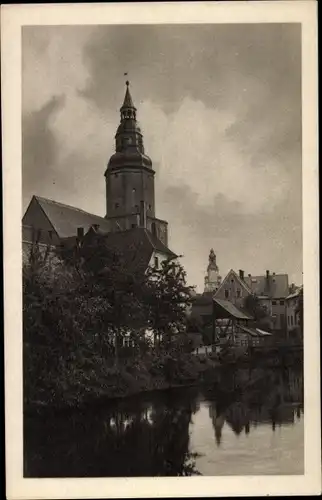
[(212, 279), (130, 200)]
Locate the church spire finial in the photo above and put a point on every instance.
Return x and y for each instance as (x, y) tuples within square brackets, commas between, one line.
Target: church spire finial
[(128, 109)]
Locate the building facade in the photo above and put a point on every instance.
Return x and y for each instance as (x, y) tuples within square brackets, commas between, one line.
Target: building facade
[(272, 290), (234, 289), (292, 311)]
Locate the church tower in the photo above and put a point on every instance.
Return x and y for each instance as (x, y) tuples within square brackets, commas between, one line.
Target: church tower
[(130, 198), (212, 279)]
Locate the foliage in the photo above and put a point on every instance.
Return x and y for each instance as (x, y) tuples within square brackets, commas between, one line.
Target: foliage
[(254, 308), (79, 304)]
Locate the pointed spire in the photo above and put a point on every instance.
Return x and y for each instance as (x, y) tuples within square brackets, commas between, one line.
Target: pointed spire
[(128, 102)]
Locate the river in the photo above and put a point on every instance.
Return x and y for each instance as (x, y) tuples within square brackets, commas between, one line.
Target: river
[(250, 422)]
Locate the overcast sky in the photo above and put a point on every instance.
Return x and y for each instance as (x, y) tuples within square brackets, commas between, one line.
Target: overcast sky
[(220, 110)]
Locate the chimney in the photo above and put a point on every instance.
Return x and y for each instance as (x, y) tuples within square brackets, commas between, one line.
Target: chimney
[(241, 274), (267, 274), (142, 214), (80, 232)]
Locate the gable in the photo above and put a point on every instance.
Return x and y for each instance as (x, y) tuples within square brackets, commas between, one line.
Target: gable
[(36, 217), (232, 283)]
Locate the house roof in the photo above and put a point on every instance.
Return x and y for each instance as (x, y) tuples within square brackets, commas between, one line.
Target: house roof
[(255, 332), (242, 283), (295, 294), (66, 219), (136, 245), (276, 286), (226, 309)]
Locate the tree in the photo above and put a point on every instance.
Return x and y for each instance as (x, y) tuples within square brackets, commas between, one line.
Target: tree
[(78, 310), (109, 277), (167, 297), (254, 307)]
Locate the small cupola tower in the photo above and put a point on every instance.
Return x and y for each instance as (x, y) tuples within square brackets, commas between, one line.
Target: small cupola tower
[(212, 279)]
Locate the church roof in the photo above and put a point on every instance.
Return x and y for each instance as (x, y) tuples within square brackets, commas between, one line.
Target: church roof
[(66, 219), (136, 245)]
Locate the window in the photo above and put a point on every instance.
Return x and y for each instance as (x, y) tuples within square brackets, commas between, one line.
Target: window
[(273, 302), (116, 205), (154, 229), (133, 190), (116, 175), (288, 320), (156, 262), (226, 294), (133, 225), (238, 294), (292, 320), (150, 207), (232, 281), (281, 302)]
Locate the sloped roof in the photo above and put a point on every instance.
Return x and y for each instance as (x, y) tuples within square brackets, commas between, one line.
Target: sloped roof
[(237, 278), (136, 245), (227, 309), (295, 294), (276, 286), (255, 332), (66, 219)]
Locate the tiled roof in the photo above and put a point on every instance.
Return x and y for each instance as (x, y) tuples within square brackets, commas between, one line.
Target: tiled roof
[(66, 219), (275, 287), (230, 309)]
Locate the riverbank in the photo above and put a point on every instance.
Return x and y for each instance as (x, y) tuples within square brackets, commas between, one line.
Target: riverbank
[(133, 376)]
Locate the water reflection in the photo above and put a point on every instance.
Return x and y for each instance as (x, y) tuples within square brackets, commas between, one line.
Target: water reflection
[(151, 435)]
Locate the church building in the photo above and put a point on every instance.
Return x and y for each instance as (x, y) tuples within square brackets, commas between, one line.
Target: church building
[(130, 202)]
